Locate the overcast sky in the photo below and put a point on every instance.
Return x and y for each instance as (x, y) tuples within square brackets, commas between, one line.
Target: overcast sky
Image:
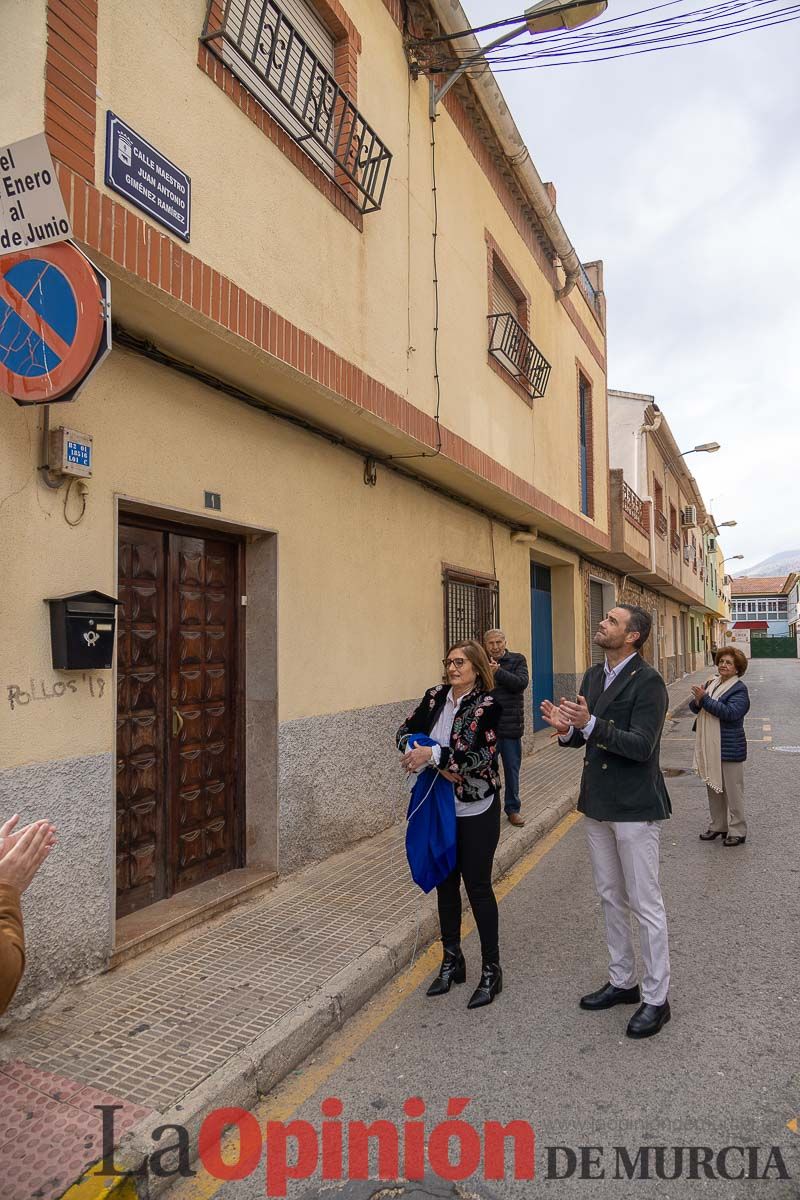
[(681, 170)]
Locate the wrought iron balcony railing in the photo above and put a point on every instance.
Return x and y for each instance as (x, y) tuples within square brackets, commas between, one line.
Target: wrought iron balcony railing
[(633, 506), (264, 50), (661, 524), (675, 542), (511, 346)]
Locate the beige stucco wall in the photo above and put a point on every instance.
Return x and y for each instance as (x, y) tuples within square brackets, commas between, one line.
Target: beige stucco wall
[(23, 40), (368, 295), (360, 593)]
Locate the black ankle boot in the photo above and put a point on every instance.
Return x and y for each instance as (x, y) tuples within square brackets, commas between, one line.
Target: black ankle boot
[(491, 985), (452, 970)]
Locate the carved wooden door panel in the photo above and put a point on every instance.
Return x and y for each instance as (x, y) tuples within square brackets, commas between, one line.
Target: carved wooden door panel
[(141, 719), (177, 675), (202, 698)]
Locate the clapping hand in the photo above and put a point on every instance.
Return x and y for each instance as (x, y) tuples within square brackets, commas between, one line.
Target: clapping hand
[(554, 717), (577, 714), (22, 853), (698, 693)]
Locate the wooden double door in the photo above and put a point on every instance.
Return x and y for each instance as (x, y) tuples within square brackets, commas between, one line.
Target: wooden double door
[(178, 672)]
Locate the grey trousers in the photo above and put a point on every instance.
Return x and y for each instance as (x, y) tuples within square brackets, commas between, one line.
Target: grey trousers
[(727, 807), (624, 858)]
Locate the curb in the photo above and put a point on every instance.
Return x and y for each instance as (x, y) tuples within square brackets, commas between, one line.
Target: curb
[(254, 1071)]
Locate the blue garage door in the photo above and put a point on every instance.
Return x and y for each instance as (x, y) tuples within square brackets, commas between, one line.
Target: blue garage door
[(542, 638)]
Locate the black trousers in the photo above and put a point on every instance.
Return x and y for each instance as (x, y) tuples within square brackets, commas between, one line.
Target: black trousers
[(477, 842)]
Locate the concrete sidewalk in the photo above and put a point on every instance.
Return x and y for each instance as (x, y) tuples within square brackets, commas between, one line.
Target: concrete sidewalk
[(221, 1016)]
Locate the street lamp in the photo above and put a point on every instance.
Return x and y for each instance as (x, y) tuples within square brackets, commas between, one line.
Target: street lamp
[(725, 524), (731, 557), (547, 16), (704, 448)]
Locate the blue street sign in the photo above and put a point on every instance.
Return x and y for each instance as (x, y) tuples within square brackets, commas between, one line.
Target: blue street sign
[(138, 172)]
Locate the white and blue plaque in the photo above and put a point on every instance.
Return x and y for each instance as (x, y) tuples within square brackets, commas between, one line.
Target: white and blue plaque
[(138, 172)]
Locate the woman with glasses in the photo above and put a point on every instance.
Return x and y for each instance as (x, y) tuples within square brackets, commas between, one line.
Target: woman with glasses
[(462, 717)]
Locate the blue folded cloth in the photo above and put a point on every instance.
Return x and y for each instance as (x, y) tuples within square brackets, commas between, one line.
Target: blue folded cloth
[(430, 824)]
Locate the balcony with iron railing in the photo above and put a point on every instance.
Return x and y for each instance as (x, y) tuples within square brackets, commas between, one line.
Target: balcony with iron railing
[(260, 44), (661, 524), (634, 508), (675, 542), (510, 345)]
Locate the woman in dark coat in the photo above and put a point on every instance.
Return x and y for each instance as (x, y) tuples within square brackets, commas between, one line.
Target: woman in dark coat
[(462, 718), (721, 746)]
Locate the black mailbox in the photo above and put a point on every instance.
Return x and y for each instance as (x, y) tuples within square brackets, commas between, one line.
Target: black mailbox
[(82, 631)]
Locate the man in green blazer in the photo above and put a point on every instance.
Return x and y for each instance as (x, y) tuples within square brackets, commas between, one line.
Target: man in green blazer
[(618, 717)]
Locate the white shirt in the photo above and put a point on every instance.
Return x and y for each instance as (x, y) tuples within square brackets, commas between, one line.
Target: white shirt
[(610, 674), (441, 734)]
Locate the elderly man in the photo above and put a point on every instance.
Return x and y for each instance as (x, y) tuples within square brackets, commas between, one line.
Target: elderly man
[(618, 717), (510, 672)]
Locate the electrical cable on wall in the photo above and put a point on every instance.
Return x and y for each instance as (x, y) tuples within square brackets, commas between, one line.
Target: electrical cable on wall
[(437, 381), (82, 492)]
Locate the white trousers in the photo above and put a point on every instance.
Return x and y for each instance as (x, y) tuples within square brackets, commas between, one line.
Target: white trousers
[(624, 858)]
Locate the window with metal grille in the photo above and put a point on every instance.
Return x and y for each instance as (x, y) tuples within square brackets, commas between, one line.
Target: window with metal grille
[(471, 606), (285, 56)]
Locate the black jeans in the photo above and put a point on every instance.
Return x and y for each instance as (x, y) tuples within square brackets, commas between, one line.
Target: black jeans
[(477, 842)]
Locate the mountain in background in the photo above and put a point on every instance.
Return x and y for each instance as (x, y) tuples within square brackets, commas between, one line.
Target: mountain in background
[(779, 564)]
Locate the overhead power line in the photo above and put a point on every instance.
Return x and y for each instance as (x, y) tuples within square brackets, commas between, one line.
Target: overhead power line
[(611, 38)]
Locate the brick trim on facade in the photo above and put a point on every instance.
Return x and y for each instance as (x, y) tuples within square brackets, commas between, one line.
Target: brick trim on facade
[(70, 110)]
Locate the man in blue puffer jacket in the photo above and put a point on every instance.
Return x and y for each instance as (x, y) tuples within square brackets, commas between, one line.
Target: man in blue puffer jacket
[(721, 745)]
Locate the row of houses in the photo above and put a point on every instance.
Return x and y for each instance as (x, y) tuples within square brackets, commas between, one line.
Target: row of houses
[(358, 411)]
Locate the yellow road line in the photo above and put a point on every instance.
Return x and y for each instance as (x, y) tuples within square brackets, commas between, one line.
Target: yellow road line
[(299, 1087)]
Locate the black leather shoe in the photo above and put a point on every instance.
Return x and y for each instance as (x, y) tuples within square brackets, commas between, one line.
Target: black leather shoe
[(710, 834), (732, 840), (648, 1019), (608, 995), (452, 970), (491, 985)]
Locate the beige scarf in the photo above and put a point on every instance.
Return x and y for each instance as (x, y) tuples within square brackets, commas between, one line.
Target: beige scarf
[(708, 739)]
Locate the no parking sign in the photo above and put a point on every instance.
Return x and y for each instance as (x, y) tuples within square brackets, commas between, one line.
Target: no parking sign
[(55, 323)]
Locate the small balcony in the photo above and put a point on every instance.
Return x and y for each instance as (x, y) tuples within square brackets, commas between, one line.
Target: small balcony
[(630, 527), (634, 508), (675, 542), (514, 350), (260, 44), (661, 524)]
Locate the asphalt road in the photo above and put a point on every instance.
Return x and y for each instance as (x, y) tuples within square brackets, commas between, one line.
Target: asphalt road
[(724, 1072)]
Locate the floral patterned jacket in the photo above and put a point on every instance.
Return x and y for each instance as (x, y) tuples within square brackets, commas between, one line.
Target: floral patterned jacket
[(473, 742)]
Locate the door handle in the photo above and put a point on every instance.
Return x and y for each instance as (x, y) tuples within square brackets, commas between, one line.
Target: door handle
[(177, 722)]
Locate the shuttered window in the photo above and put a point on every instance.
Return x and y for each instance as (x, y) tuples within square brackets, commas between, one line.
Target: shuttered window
[(596, 614), (264, 17), (503, 299)]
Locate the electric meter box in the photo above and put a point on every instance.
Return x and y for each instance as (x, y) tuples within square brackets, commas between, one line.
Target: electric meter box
[(70, 452), (82, 630)]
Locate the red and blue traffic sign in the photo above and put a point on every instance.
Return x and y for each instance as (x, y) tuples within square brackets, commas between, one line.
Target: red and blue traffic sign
[(54, 323)]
